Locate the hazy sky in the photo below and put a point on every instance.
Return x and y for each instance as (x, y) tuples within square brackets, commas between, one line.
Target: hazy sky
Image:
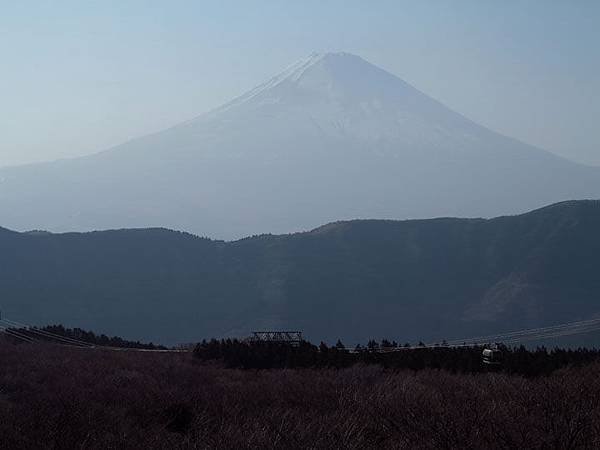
[(79, 76)]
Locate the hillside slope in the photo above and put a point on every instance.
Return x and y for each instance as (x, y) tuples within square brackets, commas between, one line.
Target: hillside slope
[(407, 280)]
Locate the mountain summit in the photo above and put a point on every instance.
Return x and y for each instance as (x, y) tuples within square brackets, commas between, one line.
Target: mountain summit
[(343, 95), (332, 137)]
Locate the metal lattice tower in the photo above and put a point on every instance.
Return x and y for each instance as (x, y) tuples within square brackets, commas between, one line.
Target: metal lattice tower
[(293, 338)]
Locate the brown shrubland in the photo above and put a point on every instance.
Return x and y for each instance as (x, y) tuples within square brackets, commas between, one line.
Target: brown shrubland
[(66, 398)]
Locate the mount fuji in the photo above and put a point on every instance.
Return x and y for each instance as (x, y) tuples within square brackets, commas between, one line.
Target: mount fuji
[(333, 137)]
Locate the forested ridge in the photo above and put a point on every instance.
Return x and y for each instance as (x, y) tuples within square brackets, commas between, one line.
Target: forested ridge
[(367, 279)]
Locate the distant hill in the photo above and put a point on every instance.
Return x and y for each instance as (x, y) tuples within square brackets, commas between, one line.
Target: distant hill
[(333, 137), (406, 280)]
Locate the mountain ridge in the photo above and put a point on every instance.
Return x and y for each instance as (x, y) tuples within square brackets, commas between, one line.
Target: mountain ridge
[(407, 280), (564, 206)]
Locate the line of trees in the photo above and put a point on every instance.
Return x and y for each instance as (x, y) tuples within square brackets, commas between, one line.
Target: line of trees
[(85, 336), (235, 353)]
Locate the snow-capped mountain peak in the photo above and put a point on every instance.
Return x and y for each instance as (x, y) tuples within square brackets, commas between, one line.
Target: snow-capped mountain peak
[(343, 95), (331, 137)]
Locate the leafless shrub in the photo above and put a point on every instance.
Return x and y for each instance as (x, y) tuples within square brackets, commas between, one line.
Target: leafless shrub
[(57, 397)]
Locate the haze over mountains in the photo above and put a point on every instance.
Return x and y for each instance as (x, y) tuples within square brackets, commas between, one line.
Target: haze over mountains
[(331, 138), (405, 280)]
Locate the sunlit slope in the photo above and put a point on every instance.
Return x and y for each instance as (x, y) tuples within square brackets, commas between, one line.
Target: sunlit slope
[(331, 138)]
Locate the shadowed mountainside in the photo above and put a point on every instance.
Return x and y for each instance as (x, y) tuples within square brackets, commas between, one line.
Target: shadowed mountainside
[(403, 280)]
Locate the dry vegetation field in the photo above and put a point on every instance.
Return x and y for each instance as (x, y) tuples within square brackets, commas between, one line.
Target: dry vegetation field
[(67, 398)]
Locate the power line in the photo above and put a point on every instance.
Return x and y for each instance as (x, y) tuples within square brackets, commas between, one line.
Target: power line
[(47, 334), (16, 334), (10, 324), (516, 335)]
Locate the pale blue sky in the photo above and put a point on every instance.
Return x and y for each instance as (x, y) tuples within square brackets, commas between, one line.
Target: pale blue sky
[(80, 76)]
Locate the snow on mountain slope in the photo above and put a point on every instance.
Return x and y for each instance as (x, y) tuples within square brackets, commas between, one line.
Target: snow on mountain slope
[(332, 137)]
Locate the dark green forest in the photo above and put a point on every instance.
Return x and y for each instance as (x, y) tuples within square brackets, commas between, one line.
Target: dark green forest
[(540, 361)]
